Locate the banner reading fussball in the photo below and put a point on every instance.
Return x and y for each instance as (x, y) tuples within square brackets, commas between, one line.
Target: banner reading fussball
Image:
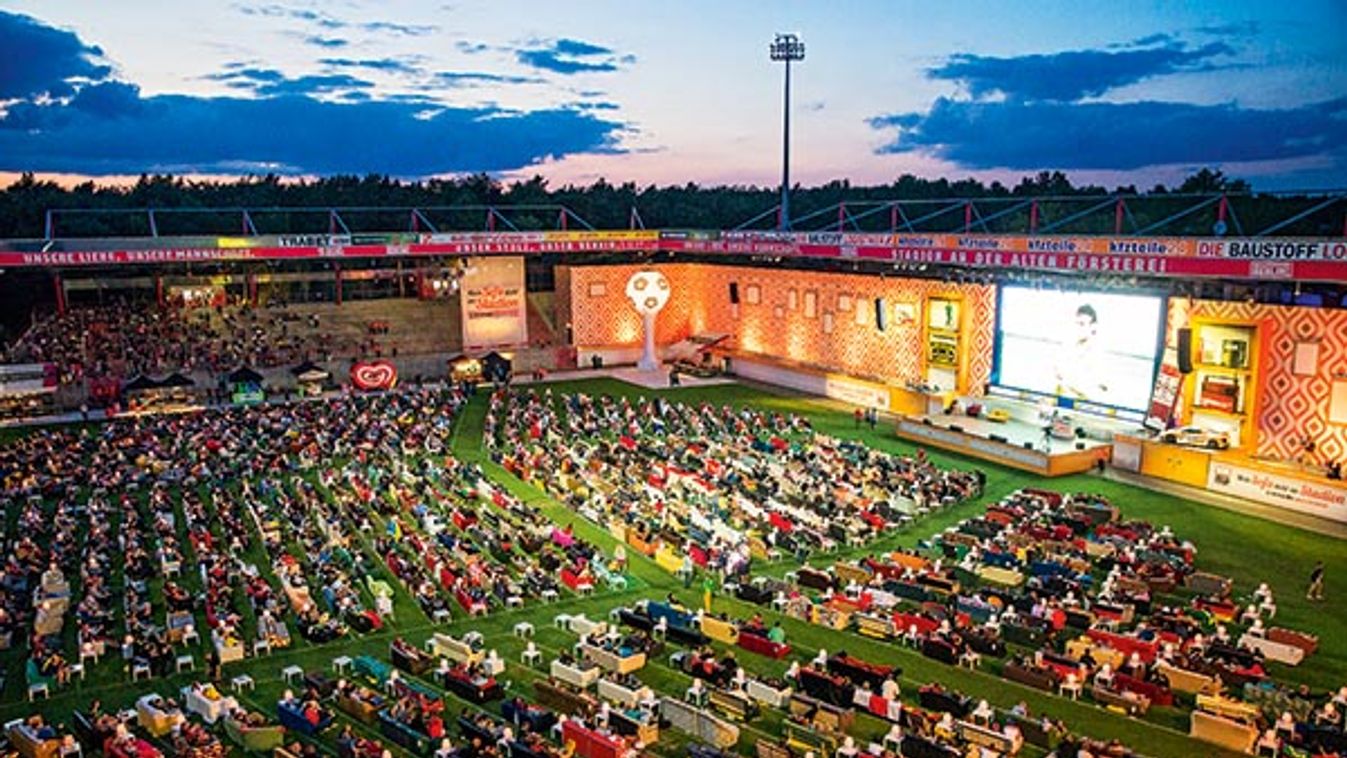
[(374, 375)]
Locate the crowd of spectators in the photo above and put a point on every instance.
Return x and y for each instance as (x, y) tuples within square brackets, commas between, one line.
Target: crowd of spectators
[(122, 340)]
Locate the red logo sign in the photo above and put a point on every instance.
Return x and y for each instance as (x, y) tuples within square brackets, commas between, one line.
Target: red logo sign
[(374, 375)]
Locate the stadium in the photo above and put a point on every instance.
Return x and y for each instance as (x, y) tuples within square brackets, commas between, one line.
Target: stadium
[(466, 468)]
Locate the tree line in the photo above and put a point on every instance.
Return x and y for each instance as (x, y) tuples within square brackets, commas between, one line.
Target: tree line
[(25, 202)]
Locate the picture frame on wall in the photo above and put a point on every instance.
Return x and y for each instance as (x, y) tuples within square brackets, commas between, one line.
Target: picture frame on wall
[(778, 311), (792, 298), (753, 294), (862, 316), (1306, 359), (1337, 401), (810, 304), (827, 322), (904, 314), (598, 289), (843, 303)]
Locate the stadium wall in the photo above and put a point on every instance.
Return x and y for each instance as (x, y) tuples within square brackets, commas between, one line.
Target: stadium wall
[(819, 320)]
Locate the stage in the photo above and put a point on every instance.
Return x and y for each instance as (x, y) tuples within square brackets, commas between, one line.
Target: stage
[(1016, 442)]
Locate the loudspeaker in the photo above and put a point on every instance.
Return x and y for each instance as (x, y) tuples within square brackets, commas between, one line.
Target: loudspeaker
[(1185, 350), (996, 438), (734, 292), (1080, 445), (1028, 446), (880, 320), (955, 428), (926, 421)]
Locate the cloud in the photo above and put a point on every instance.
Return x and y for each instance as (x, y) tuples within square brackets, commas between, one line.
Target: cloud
[(1074, 74), (570, 56), (299, 14), (268, 82), (312, 124), (44, 60), (293, 135), (235, 75), (313, 84), (470, 78), (472, 48), (326, 42), (1031, 135), (406, 30), (407, 65)]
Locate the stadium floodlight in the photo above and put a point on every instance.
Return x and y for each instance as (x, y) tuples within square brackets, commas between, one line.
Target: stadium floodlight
[(787, 48)]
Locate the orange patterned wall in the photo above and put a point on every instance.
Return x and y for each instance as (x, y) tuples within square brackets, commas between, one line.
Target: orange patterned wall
[(1291, 408), (699, 303)]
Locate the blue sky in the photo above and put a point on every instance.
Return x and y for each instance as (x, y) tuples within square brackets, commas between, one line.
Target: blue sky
[(666, 93)]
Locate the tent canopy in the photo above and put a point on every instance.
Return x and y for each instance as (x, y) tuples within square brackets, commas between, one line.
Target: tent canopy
[(141, 383), (309, 367), (245, 375), (176, 379)]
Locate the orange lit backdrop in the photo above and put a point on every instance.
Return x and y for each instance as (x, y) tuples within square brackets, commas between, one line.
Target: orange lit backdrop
[(821, 320)]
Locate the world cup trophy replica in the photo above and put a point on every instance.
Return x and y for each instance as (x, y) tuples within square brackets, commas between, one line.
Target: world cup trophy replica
[(649, 291)]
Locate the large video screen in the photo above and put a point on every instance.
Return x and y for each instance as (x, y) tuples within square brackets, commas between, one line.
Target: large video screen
[(1092, 347)]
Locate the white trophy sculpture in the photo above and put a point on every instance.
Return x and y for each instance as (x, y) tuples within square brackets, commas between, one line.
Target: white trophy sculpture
[(649, 291)]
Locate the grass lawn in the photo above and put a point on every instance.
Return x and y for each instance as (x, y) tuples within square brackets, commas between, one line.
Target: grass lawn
[(1248, 549)]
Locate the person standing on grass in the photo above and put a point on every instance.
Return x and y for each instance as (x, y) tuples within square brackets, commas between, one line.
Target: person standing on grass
[(1316, 590), (857, 416)]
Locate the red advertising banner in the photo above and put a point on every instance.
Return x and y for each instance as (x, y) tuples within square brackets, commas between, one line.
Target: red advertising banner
[(1286, 258)]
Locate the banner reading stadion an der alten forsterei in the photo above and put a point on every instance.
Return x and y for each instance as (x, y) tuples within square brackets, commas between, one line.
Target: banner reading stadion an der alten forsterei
[(494, 305)]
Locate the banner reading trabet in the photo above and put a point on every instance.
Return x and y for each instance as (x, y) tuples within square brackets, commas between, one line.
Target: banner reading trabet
[(494, 305)]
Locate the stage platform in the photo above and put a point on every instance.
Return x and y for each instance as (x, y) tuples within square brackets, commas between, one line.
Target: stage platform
[(655, 380), (1015, 443)]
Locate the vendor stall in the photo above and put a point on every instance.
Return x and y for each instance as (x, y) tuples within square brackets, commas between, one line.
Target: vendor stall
[(310, 378), (245, 386)]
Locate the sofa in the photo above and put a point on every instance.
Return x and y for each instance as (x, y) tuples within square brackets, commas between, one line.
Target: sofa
[(26, 742), (722, 631), (1034, 676), (155, 717), (207, 702), (229, 649), (562, 699), (1219, 730), (291, 716), (609, 660), (418, 743), (254, 739), (1281, 652), (361, 704), (409, 659), (754, 642), (699, 723), (575, 676), (448, 646)]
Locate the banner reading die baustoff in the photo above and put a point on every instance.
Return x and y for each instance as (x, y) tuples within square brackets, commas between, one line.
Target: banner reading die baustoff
[(494, 303)]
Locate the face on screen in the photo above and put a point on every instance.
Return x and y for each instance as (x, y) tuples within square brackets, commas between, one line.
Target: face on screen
[(1088, 346)]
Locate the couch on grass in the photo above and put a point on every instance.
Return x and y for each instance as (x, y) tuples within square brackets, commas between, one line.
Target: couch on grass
[(448, 646), (580, 676), (698, 722), (254, 739), (1219, 730), (27, 743)]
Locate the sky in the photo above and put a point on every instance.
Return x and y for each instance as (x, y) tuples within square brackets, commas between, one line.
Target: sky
[(673, 92)]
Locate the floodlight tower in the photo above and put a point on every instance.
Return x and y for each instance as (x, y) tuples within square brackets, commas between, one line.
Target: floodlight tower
[(786, 47)]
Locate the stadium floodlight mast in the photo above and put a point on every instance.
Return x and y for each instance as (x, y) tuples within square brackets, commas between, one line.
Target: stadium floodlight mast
[(786, 47)]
